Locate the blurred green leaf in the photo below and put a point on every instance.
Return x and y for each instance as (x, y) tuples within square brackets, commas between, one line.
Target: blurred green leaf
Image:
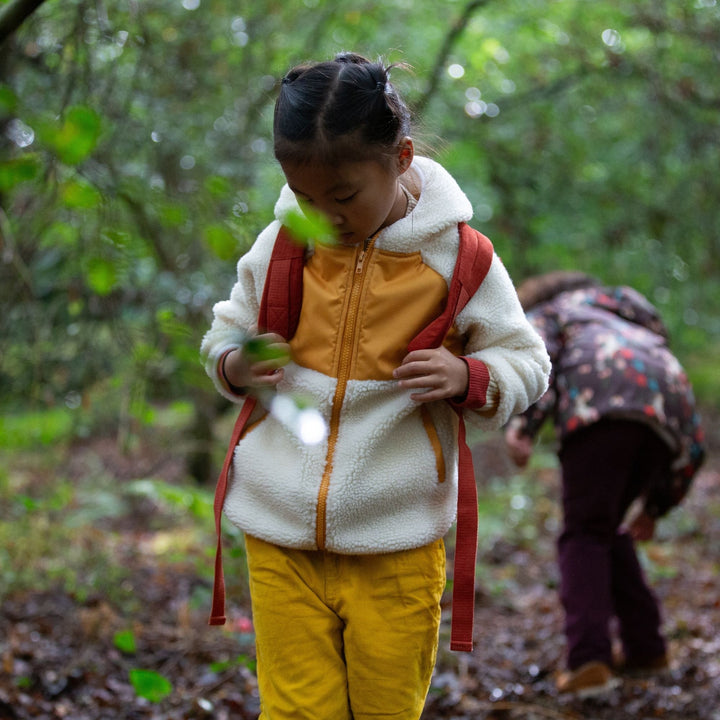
[(310, 226), (30, 429), (8, 100), (18, 170), (78, 194), (101, 275), (172, 325), (172, 214), (221, 241), (60, 234), (259, 349), (124, 641), (150, 685), (218, 186), (75, 137)]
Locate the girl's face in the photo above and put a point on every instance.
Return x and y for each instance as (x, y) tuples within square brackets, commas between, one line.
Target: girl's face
[(358, 197)]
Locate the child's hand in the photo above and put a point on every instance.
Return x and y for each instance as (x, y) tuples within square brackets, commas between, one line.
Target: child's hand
[(440, 374), (258, 362), (519, 446), (642, 527)]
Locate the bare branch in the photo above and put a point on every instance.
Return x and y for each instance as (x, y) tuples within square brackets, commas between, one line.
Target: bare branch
[(10, 255), (14, 14), (451, 38)]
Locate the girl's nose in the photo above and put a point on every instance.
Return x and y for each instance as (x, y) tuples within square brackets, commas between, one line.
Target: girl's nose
[(333, 216)]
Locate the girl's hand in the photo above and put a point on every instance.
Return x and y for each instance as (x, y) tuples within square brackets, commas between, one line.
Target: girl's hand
[(437, 372), (642, 527), (259, 362), (519, 446)]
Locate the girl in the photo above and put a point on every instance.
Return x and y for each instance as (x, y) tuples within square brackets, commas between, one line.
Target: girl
[(344, 538), (625, 416)]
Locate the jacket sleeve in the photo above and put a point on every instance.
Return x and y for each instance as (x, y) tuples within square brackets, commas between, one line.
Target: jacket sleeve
[(544, 321), (235, 317), (665, 494), (502, 350)]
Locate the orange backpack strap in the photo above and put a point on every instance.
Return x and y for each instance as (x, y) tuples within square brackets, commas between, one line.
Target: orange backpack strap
[(282, 292), (217, 614), (463, 597), (475, 255), (280, 313)]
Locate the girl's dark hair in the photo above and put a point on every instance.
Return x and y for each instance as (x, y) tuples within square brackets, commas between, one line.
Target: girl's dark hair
[(541, 288), (330, 111)]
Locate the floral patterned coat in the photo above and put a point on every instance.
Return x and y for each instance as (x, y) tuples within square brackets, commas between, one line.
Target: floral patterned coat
[(610, 358)]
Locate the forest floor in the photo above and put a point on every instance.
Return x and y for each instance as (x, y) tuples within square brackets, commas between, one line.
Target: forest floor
[(68, 653)]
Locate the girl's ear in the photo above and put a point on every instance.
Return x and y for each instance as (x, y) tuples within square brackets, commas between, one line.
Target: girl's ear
[(406, 153)]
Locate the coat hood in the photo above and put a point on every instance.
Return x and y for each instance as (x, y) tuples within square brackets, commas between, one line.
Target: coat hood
[(627, 304)]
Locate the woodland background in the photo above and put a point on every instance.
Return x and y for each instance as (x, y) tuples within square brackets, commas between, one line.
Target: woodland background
[(136, 167)]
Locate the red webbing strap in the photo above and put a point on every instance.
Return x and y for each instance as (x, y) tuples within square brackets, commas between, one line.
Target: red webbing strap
[(463, 598), (217, 614), (282, 292), (280, 313), (475, 255)]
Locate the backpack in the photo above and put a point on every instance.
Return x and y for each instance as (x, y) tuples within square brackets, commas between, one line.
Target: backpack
[(280, 313)]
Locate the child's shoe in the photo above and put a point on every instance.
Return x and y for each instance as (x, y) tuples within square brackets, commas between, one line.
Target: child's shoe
[(657, 666), (589, 680)]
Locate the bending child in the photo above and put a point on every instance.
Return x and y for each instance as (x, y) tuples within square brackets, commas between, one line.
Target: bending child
[(627, 427), (344, 538)]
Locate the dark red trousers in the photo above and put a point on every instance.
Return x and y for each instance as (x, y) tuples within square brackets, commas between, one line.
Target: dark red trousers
[(604, 468)]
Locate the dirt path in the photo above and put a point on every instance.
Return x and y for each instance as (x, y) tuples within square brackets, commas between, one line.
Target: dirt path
[(60, 656), (520, 648)]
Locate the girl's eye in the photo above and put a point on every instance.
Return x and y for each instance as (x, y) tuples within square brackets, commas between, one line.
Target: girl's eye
[(345, 199)]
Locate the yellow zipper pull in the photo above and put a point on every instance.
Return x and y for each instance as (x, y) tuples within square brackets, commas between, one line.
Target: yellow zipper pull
[(363, 253), (360, 261)]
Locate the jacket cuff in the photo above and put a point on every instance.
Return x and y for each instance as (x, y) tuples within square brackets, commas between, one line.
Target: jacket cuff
[(478, 382)]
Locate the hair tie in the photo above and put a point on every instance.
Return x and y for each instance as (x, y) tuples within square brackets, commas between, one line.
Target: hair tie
[(380, 85), (286, 80)]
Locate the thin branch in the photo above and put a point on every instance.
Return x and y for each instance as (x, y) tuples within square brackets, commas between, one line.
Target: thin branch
[(14, 14), (147, 227), (451, 38), (10, 255)]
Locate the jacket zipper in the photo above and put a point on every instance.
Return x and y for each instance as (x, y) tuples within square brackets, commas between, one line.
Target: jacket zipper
[(349, 323)]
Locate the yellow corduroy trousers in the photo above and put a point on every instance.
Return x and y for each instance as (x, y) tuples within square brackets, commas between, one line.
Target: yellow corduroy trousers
[(344, 637)]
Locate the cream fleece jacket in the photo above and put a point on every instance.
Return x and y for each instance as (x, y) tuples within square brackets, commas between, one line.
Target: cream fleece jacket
[(378, 484)]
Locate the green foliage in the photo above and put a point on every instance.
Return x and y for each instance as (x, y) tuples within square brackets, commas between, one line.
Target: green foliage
[(45, 543), (36, 429), (701, 367), (221, 241), (310, 226), (239, 661), (150, 685), (137, 166), (181, 500), (74, 137), (19, 170), (258, 349), (61, 528), (124, 641)]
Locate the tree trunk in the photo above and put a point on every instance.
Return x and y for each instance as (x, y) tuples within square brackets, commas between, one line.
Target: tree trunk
[(14, 14)]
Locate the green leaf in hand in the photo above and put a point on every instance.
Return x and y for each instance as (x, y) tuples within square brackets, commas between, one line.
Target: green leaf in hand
[(260, 349), (310, 226)]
